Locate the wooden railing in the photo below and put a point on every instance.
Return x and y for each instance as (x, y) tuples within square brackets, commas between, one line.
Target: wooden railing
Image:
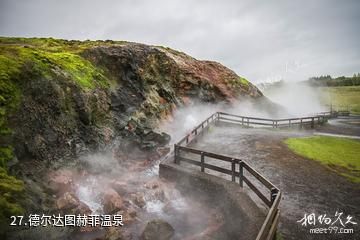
[(239, 169), (277, 123)]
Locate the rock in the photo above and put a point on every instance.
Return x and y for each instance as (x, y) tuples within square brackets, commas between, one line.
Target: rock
[(129, 215), (67, 201), (111, 201), (157, 230), (120, 187), (153, 184), (60, 181), (138, 199), (154, 139), (162, 151), (82, 208), (114, 233)]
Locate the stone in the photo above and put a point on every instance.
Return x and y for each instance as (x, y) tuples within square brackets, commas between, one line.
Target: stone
[(112, 201), (82, 208), (157, 230), (120, 187), (138, 199), (67, 201), (114, 233), (60, 181)]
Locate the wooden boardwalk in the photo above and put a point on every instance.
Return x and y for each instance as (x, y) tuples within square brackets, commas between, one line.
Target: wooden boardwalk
[(239, 170)]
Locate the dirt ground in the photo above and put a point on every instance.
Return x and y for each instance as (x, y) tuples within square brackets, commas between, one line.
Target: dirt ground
[(307, 186)]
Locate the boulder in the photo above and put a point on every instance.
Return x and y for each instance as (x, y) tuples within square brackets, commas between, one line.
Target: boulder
[(60, 181), (82, 208), (138, 199), (120, 187), (114, 233), (112, 201), (157, 230), (67, 201)]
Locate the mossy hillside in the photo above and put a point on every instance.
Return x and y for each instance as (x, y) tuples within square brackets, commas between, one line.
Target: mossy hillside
[(46, 58), (10, 187), (57, 45), (49, 63), (23, 60)]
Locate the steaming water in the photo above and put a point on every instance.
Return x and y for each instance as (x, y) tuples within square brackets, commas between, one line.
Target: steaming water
[(88, 193), (155, 206), (299, 99)]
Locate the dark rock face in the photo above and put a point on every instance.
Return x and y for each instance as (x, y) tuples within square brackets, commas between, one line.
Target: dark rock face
[(157, 230), (57, 120)]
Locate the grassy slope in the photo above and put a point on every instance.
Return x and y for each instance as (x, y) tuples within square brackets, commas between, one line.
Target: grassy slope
[(347, 97), (340, 154), (46, 57)]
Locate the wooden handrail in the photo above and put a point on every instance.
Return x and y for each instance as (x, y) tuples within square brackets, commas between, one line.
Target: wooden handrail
[(270, 224), (268, 228)]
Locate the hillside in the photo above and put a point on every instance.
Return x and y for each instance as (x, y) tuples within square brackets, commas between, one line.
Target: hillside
[(62, 99)]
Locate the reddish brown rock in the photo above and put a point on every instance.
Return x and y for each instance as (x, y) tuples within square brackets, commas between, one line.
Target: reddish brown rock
[(120, 187), (67, 201), (111, 201), (60, 181), (138, 199), (157, 230)]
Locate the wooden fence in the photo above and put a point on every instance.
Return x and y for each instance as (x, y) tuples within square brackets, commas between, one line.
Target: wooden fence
[(239, 169)]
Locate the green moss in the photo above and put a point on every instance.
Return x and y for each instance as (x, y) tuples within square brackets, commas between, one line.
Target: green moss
[(11, 189), (47, 56), (57, 45), (340, 154), (81, 70), (237, 82), (5, 155), (243, 81)]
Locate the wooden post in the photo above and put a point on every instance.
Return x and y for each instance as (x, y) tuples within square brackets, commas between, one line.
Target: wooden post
[(202, 162), (242, 120), (301, 123), (241, 171), (176, 153), (233, 170), (273, 194), (312, 122), (289, 123), (248, 122), (276, 124)]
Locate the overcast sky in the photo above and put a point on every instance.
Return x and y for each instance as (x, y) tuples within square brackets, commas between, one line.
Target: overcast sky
[(260, 40)]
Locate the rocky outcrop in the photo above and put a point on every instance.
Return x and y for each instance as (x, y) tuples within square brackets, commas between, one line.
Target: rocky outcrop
[(78, 96), (63, 99)]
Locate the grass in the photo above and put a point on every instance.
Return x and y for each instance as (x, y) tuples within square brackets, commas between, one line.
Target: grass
[(340, 154), (244, 81), (342, 98)]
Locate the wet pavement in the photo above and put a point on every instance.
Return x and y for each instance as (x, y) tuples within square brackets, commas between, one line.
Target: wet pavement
[(307, 186)]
